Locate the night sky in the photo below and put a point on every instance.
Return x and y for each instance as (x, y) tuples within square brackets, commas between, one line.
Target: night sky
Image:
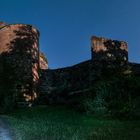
[(66, 25)]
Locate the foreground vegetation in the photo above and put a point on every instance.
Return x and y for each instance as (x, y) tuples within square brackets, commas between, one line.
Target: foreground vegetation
[(59, 123), (117, 96), (113, 94)]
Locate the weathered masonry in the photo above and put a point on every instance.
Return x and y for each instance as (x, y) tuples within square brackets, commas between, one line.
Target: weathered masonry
[(19, 59), (24, 70), (109, 51)]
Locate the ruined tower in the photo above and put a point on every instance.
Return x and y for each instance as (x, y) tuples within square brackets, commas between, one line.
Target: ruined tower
[(109, 51), (19, 59)]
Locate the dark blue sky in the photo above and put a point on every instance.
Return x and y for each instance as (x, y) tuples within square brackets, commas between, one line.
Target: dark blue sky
[(66, 25)]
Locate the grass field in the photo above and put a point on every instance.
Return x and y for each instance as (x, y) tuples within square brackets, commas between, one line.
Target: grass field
[(59, 123)]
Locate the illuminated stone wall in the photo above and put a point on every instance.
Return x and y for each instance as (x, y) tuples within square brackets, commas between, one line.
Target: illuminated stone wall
[(43, 62), (109, 51), (19, 54)]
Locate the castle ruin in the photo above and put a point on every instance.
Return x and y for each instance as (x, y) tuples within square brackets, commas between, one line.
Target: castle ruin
[(24, 70), (109, 51), (19, 52)]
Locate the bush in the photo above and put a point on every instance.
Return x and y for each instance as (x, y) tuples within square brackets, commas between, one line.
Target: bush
[(118, 96), (7, 100), (8, 94), (96, 105)]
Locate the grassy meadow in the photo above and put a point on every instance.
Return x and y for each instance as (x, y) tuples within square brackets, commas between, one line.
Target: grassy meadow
[(60, 123)]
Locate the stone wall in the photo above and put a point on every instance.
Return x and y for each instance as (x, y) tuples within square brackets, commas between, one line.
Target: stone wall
[(24, 70), (109, 51), (2, 24), (59, 85), (43, 62), (19, 58)]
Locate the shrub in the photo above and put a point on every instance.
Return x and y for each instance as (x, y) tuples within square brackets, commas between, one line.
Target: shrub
[(118, 96), (8, 101), (8, 94), (95, 105)]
